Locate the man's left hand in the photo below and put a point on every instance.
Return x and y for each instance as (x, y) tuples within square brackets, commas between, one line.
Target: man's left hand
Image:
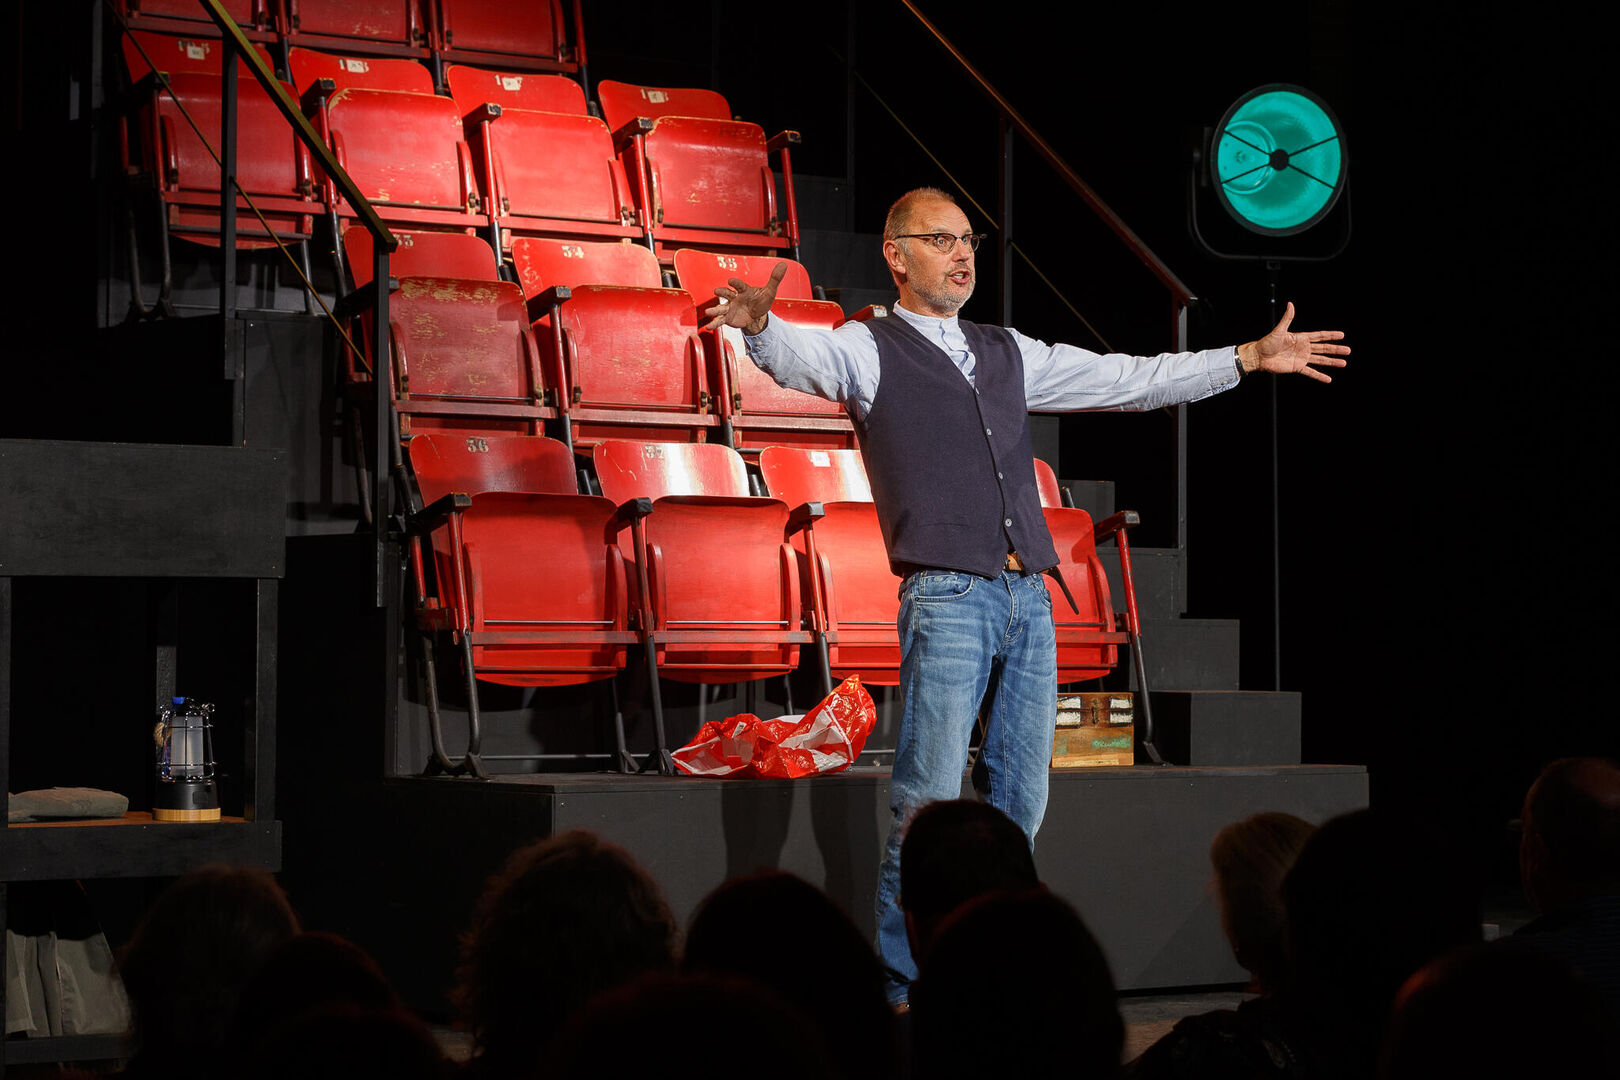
[(1284, 352)]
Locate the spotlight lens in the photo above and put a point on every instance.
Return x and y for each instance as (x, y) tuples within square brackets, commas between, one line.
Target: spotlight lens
[(1274, 193)]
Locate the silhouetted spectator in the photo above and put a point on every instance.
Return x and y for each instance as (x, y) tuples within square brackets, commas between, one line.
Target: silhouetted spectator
[(1489, 1011), (1015, 985), (956, 850), (1370, 900), (565, 918), (1250, 858), (344, 1041), (787, 934), (306, 973), (1569, 863), (715, 1026), (187, 963)]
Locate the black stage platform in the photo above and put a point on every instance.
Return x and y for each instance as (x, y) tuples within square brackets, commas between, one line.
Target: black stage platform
[(403, 861)]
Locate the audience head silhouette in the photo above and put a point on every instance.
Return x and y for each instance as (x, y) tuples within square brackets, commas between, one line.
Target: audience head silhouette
[(1015, 985), (1570, 847), (565, 917), (1251, 857), (787, 934), (955, 850), (188, 960)]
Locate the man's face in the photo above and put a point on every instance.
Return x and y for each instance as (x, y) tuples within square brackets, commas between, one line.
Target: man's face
[(931, 282)]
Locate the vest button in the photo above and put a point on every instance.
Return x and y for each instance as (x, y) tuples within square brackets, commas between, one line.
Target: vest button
[(999, 476), (987, 431), (1008, 523)]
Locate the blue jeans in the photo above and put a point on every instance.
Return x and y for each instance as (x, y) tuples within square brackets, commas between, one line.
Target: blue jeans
[(956, 630)]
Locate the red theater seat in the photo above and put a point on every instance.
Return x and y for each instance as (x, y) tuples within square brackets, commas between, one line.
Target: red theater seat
[(1087, 642), (366, 27), (421, 254), (464, 359), (531, 91), (851, 591), (630, 350), (256, 18), (756, 411), (718, 586), (488, 506), (307, 66), (523, 37), (406, 154), (549, 171), (701, 179), (161, 148)]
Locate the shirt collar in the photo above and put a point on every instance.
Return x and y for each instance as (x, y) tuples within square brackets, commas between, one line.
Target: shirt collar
[(926, 323)]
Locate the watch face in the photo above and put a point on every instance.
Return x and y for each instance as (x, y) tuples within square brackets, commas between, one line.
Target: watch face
[(1278, 160)]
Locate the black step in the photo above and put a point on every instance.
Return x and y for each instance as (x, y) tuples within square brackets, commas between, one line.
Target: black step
[(1227, 727), (1189, 654)]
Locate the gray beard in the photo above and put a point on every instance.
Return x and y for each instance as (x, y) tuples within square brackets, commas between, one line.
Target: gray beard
[(943, 301)]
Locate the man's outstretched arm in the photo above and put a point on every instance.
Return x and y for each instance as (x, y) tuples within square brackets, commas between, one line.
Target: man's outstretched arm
[(1283, 352)]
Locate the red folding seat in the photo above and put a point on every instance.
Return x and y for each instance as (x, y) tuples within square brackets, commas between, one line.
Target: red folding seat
[(421, 254), (1088, 637), (365, 27), (256, 18), (488, 505), (700, 177), (717, 595), (406, 154), (755, 410), (852, 593), (531, 91), (629, 349), (464, 360), (308, 66), (519, 37), (548, 167), (272, 167)]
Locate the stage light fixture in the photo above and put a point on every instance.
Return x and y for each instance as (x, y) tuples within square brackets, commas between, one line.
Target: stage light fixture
[(1278, 160)]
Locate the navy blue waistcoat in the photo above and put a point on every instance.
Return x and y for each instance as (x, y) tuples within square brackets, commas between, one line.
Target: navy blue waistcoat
[(949, 461)]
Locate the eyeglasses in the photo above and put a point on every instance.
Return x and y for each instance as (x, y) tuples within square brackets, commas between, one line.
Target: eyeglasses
[(944, 242)]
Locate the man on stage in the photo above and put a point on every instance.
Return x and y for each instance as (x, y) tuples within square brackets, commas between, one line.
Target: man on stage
[(941, 408)]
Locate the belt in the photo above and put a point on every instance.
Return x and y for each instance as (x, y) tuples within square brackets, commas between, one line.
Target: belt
[(1014, 562)]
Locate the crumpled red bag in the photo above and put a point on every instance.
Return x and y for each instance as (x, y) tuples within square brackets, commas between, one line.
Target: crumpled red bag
[(824, 740)]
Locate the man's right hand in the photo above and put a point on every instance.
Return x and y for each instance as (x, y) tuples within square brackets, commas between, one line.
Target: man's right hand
[(743, 305)]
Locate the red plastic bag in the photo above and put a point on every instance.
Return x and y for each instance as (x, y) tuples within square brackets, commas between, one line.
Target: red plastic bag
[(824, 740)]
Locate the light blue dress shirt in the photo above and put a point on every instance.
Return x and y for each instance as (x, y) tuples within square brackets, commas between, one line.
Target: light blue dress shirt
[(842, 365)]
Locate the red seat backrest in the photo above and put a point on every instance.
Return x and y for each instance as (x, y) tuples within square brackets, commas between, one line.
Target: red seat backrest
[(472, 87), (422, 254), (401, 149), (176, 55), (636, 470), (1046, 483), (529, 30), (559, 166), (633, 348), (701, 272), (471, 464), (366, 22), (711, 173), (802, 476), (359, 72), (543, 263), (462, 339), (266, 151), (623, 102)]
